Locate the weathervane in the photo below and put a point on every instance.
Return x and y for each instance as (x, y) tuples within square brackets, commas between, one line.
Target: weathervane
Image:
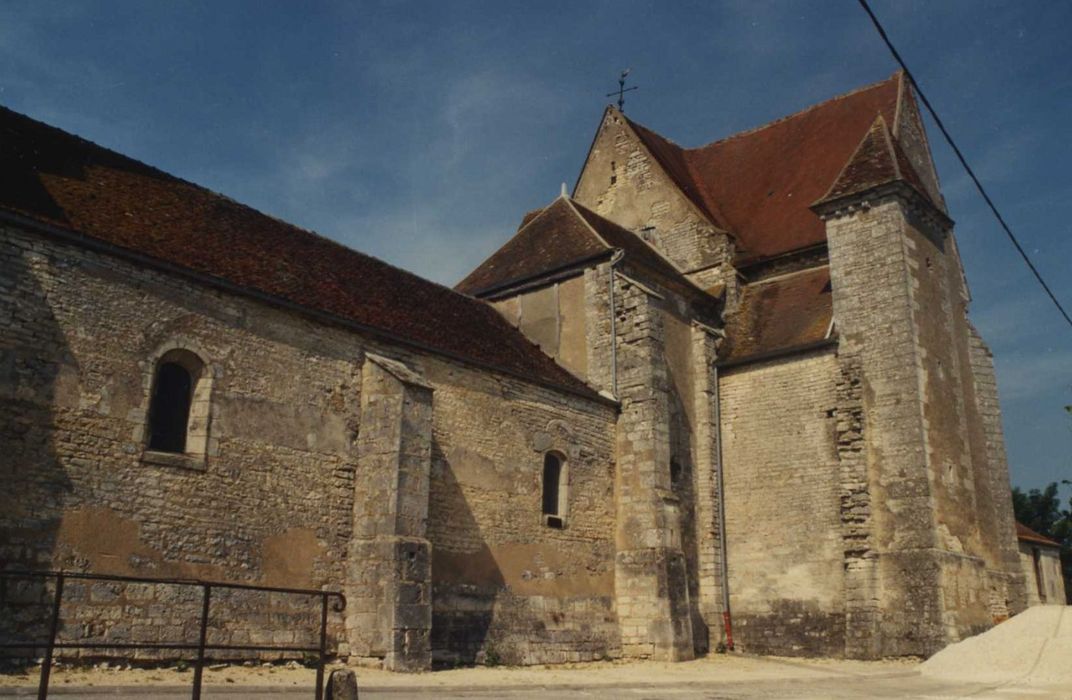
[(622, 89)]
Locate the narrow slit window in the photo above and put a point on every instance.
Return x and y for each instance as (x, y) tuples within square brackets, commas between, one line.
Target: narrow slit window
[(675, 472), (552, 477), (169, 411)]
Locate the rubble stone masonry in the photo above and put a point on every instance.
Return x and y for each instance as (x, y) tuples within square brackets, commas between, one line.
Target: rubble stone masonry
[(934, 491), (275, 500)]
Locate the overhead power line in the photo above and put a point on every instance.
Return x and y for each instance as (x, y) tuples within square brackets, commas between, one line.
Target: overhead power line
[(960, 157)]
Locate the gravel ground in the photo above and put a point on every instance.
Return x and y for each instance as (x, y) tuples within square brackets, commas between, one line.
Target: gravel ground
[(720, 677)]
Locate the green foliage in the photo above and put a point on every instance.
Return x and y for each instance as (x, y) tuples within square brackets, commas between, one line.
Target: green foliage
[(1040, 510)]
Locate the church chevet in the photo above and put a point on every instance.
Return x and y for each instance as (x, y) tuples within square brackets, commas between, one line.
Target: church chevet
[(716, 397)]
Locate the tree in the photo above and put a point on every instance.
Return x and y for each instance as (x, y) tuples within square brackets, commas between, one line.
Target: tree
[(1040, 509)]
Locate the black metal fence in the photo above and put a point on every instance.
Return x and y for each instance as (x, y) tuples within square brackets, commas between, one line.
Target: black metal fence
[(202, 647)]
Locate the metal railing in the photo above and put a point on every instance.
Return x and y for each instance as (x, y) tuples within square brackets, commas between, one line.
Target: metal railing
[(202, 646)]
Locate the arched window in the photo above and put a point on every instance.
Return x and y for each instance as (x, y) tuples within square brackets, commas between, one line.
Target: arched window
[(169, 411), (178, 405), (554, 490)]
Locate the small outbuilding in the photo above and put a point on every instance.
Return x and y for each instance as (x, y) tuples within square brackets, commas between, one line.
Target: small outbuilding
[(1040, 558)]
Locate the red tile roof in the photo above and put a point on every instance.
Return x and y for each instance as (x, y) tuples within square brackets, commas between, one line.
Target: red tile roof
[(564, 233), (878, 160), (58, 179), (552, 238), (759, 184), (786, 312), (1026, 534)]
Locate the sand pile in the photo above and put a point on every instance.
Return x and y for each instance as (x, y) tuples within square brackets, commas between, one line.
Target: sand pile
[(1034, 648)]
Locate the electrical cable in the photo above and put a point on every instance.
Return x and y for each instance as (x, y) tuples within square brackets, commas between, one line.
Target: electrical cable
[(960, 156)]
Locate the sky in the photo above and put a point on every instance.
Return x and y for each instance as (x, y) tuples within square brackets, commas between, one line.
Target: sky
[(421, 132)]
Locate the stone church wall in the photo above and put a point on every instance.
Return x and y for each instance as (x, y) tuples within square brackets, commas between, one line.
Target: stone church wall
[(509, 588), (783, 520), (272, 502)]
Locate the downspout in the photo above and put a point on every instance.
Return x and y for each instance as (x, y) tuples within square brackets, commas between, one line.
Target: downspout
[(727, 620), (614, 260)]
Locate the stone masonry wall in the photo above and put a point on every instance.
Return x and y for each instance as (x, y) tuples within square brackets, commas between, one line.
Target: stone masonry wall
[(1045, 583), (272, 506), (623, 182), (899, 305), (510, 588), (389, 615), (862, 598), (273, 502), (651, 574), (874, 315), (939, 305), (783, 505), (1008, 588)]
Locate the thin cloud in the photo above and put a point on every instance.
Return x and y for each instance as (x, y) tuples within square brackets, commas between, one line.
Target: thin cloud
[(1029, 374)]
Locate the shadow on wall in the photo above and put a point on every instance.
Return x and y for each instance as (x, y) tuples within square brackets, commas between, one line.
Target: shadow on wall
[(466, 578), (34, 363), (682, 482)]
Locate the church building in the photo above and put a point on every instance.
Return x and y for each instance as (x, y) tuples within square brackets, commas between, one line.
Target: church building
[(717, 396)]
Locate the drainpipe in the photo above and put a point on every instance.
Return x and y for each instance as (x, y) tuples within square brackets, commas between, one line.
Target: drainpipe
[(723, 557), (614, 260)]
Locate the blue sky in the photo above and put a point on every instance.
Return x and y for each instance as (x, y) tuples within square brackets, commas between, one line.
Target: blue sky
[(421, 132)]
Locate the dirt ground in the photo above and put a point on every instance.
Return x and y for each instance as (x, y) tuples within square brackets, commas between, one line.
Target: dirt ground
[(724, 667), (718, 677)]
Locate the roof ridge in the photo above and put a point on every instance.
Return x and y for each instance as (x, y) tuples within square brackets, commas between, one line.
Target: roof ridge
[(573, 206), (890, 151), (634, 235), (667, 139), (878, 121), (189, 183), (521, 229), (640, 239), (711, 211), (775, 122)]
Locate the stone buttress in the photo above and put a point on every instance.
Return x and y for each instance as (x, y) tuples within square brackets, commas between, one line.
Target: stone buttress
[(651, 577), (388, 587)]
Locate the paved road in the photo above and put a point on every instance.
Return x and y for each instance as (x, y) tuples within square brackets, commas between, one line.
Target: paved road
[(902, 685)]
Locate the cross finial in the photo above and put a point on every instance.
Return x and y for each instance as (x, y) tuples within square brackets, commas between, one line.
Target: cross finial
[(622, 89)]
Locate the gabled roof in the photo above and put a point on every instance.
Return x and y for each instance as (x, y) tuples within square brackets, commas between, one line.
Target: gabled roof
[(562, 235), (759, 184), (547, 240), (1026, 534), (783, 313), (878, 160), (54, 178)]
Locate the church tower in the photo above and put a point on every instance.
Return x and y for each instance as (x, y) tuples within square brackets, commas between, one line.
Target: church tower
[(931, 537)]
